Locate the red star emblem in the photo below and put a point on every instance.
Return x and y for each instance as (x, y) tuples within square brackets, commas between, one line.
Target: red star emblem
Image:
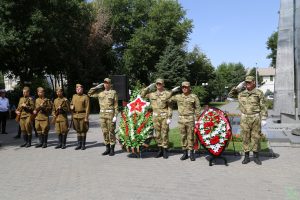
[(138, 105)]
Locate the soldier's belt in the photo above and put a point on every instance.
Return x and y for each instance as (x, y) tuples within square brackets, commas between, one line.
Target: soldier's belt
[(160, 114), (251, 115), (106, 111), (76, 112)]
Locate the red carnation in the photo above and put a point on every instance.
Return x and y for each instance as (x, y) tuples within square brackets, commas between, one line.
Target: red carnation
[(214, 140)]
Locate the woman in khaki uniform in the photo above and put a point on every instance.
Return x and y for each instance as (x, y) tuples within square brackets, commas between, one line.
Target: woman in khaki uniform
[(80, 106), (61, 107)]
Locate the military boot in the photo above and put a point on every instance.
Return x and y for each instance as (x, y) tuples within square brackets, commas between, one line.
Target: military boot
[(64, 141), (29, 141), (83, 142), (246, 159), (159, 153), (59, 142), (107, 151), (45, 141), (185, 155), (165, 153), (40, 144), (256, 158), (25, 137), (192, 155), (79, 143), (112, 150)]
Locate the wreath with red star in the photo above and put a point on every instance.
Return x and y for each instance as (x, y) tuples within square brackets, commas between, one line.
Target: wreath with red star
[(136, 124)]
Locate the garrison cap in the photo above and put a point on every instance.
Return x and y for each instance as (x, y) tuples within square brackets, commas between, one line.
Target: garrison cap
[(107, 80), (58, 89), (78, 85), (26, 88), (40, 89)]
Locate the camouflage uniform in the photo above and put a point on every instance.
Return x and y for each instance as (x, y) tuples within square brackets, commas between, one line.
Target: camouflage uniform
[(44, 107), (61, 119), (189, 112), (253, 108), (162, 111), (108, 103), (81, 110), (25, 119)]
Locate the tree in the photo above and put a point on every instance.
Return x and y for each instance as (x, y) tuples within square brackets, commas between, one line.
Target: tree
[(253, 73), (272, 45), (172, 66)]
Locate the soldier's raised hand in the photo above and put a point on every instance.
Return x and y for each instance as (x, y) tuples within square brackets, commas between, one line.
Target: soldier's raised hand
[(241, 86), (176, 89), (101, 85), (151, 86)]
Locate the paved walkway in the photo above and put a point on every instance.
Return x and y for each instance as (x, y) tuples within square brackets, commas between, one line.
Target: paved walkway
[(30, 173)]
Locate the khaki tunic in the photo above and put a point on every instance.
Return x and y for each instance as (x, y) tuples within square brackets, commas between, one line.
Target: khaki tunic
[(108, 102), (44, 107), (81, 112), (189, 112), (25, 119), (161, 112), (60, 115)]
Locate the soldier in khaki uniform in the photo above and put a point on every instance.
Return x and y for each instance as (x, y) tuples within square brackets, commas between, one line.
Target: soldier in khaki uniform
[(24, 112), (108, 102), (80, 106), (61, 107), (189, 112), (254, 115), (162, 114), (43, 107)]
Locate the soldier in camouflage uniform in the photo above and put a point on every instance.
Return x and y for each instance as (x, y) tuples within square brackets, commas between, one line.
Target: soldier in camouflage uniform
[(108, 102), (254, 115), (43, 107), (24, 111), (162, 114), (80, 107), (189, 112), (61, 107)]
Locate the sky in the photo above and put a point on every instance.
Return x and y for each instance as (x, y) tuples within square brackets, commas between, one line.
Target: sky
[(233, 30)]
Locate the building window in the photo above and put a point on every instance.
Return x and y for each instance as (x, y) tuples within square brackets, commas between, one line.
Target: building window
[(271, 78)]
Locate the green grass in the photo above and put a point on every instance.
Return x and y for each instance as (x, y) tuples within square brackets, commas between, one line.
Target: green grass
[(175, 142)]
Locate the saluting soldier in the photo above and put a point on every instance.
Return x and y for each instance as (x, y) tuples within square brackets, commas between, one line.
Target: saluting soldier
[(189, 112), (108, 102), (80, 106), (61, 107), (162, 114), (24, 112), (254, 115), (43, 107)]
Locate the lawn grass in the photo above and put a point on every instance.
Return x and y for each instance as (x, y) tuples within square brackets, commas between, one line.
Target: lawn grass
[(175, 143)]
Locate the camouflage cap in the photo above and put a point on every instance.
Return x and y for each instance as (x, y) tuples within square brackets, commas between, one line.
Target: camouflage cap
[(160, 80), (186, 84), (40, 89), (26, 88), (249, 79), (107, 80), (78, 85)]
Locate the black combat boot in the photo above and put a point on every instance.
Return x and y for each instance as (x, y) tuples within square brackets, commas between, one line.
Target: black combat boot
[(192, 155), (165, 153), (112, 150), (19, 133), (59, 142), (185, 155), (41, 140), (79, 143), (107, 151), (25, 137), (29, 141), (64, 141), (246, 159), (159, 153), (83, 142), (45, 141), (256, 158)]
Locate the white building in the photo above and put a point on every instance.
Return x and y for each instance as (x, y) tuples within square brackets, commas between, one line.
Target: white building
[(268, 75)]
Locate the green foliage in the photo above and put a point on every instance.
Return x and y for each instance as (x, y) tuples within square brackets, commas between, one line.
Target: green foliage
[(202, 94), (172, 66), (269, 103), (272, 46), (2, 85)]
